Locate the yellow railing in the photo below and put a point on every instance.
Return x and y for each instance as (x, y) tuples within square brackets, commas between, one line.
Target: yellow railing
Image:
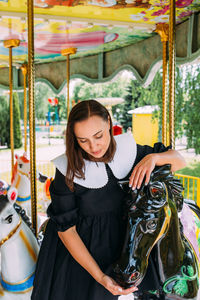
[(191, 186)]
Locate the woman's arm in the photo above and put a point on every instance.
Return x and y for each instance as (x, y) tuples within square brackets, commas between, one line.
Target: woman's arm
[(80, 253), (148, 163)]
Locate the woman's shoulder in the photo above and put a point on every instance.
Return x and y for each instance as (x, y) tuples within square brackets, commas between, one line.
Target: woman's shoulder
[(60, 162)]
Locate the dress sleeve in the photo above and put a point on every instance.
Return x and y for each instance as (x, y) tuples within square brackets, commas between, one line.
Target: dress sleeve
[(62, 210), (142, 151)]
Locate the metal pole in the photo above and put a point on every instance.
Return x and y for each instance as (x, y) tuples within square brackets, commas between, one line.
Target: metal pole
[(11, 44), (11, 109), (24, 71), (31, 78), (172, 73), (67, 52), (68, 79), (162, 30)]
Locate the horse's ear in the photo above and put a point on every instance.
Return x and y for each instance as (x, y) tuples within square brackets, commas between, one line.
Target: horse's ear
[(25, 154), (124, 184), (12, 195)]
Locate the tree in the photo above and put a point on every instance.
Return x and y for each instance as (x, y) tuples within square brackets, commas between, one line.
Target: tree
[(191, 108), (4, 119), (16, 123)]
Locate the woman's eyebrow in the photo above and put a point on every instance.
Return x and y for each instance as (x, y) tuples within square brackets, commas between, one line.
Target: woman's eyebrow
[(83, 138)]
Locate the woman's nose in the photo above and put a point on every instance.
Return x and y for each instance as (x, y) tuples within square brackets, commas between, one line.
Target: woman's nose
[(93, 146)]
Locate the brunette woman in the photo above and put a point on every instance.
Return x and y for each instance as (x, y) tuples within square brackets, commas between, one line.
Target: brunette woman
[(85, 232)]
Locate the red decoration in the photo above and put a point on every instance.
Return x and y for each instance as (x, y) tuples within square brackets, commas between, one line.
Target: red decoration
[(13, 196), (53, 101), (117, 129)]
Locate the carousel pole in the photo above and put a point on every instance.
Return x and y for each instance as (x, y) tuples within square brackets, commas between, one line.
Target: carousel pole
[(11, 44), (31, 78), (24, 71), (163, 31), (172, 73), (67, 52)]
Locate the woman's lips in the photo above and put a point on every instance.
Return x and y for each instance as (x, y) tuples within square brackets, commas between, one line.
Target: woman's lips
[(96, 153)]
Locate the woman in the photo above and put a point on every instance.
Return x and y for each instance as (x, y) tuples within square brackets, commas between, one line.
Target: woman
[(85, 232)]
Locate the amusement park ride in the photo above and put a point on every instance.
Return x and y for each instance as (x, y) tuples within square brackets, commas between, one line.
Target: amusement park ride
[(97, 39)]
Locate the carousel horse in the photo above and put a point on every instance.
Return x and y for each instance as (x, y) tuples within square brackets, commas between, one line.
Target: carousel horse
[(21, 181), (18, 247), (153, 223)]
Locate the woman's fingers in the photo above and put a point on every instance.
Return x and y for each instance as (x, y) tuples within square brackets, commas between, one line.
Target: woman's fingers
[(115, 289), (142, 170)]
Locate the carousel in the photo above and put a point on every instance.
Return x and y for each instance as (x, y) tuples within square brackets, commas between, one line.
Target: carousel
[(54, 41)]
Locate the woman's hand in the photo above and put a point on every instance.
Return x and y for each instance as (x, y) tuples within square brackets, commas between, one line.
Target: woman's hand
[(115, 289), (141, 170)]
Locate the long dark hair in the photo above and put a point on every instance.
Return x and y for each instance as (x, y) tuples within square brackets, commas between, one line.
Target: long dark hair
[(75, 154)]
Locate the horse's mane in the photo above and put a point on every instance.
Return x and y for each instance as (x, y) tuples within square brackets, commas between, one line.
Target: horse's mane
[(14, 172), (24, 159), (23, 215), (174, 186)]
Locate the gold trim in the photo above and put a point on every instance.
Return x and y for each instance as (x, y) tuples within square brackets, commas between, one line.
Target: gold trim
[(11, 233), (67, 52), (31, 81), (19, 282), (1, 291), (28, 246), (11, 43), (172, 49), (18, 182), (163, 31), (24, 71), (23, 173)]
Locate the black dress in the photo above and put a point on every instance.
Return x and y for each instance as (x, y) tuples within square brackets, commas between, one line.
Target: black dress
[(98, 216)]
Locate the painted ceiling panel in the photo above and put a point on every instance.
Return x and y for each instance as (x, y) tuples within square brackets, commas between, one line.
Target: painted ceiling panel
[(92, 26)]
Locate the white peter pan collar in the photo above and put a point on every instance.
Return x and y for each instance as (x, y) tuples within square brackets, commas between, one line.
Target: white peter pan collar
[(95, 173)]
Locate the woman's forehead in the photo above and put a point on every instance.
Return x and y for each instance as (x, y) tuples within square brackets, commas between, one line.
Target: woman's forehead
[(89, 127)]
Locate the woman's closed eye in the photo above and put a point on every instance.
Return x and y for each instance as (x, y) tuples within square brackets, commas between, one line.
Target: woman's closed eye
[(82, 141), (99, 136)]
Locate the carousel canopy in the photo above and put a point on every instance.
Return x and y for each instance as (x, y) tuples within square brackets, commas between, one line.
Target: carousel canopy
[(109, 35)]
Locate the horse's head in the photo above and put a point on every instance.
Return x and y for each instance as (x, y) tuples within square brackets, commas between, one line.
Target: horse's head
[(9, 218), (22, 165), (149, 216)]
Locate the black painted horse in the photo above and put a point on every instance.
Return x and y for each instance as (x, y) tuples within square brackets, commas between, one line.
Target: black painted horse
[(153, 222)]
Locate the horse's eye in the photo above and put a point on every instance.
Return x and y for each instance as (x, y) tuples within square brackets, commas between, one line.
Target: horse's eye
[(151, 225), (20, 165), (9, 219)]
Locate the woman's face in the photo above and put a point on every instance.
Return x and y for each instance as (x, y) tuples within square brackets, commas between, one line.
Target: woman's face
[(93, 135)]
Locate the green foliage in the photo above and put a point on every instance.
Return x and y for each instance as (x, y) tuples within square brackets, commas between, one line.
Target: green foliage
[(62, 107), (192, 169), (16, 124), (4, 119), (42, 93), (191, 109)]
